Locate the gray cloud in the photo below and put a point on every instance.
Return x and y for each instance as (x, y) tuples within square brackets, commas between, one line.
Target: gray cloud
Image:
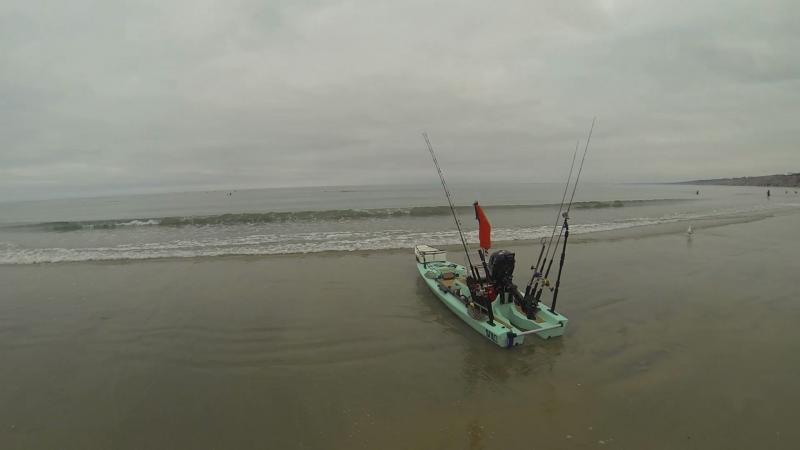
[(102, 97)]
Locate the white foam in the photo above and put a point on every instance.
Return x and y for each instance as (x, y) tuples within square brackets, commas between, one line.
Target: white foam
[(319, 241), (273, 244), (139, 223)]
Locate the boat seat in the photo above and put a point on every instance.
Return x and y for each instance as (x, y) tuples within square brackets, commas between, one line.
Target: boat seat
[(451, 288), (446, 282)]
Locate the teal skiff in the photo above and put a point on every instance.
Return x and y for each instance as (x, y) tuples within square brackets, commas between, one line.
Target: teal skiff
[(510, 326)]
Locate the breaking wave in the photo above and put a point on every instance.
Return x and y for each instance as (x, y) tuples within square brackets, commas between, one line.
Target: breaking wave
[(311, 216), (322, 241), (298, 243), (275, 244)]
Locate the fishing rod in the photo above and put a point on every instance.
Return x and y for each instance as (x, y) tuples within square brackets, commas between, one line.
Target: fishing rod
[(580, 170), (450, 202), (536, 269), (572, 196), (565, 229), (560, 263), (528, 307)]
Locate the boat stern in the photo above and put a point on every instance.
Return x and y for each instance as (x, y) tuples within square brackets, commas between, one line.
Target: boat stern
[(556, 323), (545, 324)]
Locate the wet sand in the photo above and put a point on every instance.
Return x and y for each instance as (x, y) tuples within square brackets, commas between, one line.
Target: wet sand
[(673, 343)]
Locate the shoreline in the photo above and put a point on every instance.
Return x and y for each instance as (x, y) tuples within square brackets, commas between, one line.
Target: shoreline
[(203, 352), (634, 232)]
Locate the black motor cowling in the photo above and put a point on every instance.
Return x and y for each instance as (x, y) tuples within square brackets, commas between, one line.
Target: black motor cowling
[(501, 265)]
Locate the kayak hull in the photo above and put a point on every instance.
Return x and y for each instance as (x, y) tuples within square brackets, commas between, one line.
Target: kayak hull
[(502, 335), (447, 280)]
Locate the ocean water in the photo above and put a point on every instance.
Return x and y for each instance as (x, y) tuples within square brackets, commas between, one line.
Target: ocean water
[(320, 219)]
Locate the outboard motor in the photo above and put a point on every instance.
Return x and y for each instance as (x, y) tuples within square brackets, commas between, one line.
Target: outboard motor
[(501, 264)]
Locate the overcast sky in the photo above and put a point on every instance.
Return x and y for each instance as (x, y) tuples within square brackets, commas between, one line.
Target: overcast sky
[(129, 96)]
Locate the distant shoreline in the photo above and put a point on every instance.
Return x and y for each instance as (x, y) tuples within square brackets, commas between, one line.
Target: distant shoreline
[(788, 180)]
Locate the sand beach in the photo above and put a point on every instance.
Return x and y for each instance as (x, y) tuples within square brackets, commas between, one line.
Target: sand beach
[(674, 342)]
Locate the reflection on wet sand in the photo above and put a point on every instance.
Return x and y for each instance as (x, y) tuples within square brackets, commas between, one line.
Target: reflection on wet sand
[(669, 346)]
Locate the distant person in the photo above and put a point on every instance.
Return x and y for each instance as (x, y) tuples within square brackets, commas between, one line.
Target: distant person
[(697, 193), (767, 193)]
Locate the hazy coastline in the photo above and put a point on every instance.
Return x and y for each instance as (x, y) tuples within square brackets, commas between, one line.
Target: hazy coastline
[(791, 180)]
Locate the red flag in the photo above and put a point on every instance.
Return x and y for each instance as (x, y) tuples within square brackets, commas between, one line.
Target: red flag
[(484, 227)]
